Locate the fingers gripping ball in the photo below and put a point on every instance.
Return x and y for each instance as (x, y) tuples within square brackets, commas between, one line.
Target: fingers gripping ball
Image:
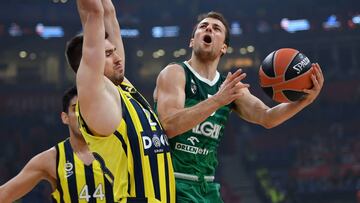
[(284, 73)]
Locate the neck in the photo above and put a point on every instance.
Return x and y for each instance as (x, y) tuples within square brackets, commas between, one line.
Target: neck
[(81, 149), (78, 143), (206, 69)]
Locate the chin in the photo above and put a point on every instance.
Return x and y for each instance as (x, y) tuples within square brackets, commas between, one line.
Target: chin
[(118, 80)]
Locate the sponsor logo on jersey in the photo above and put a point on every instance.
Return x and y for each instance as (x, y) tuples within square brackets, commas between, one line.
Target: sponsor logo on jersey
[(193, 87), (68, 169), (155, 144), (208, 129), (130, 89), (191, 149), (193, 139)]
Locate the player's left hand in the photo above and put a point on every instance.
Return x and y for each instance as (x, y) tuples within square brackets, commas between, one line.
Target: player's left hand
[(318, 80)]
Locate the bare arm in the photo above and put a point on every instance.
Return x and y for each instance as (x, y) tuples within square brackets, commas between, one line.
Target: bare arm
[(112, 27), (111, 23), (254, 110), (97, 94), (170, 95), (41, 167)]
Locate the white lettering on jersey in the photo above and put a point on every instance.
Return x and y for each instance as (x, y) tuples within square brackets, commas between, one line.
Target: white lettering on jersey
[(148, 116), (207, 129), (155, 140), (191, 149), (68, 169)]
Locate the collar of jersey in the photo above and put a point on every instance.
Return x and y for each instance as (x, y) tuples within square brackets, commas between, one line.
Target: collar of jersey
[(205, 80)]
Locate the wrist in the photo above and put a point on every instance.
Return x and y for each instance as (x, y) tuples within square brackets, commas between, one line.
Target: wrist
[(216, 101)]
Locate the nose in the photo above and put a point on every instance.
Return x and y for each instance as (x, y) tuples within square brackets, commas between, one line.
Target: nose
[(117, 57), (209, 28)]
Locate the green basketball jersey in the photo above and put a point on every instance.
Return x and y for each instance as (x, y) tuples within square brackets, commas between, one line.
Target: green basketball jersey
[(195, 151)]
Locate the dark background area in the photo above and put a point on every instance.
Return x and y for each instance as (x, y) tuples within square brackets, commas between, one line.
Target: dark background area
[(312, 158)]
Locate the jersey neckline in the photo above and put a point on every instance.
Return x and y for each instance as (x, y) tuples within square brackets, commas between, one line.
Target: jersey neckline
[(205, 80)]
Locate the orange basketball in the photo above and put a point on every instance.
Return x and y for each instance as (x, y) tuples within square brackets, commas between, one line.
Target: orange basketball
[(284, 73)]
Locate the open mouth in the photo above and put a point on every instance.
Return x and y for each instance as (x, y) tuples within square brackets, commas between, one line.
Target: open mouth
[(207, 39)]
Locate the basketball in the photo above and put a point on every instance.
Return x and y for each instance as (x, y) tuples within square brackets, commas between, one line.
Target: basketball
[(284, 73)]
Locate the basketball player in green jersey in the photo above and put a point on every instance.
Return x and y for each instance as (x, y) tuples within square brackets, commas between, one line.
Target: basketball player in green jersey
[(194, 102), (69, 167), (116, 121)]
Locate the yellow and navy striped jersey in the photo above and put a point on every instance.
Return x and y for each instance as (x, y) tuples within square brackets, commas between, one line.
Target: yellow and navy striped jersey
[(137, 154), (77, 182)]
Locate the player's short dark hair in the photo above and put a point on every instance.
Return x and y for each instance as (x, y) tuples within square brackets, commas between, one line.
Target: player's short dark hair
[(68, 95), (73, 51), (218, 16)]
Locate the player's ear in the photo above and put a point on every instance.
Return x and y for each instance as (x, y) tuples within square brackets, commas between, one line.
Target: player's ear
[(191, 42), (64, 118), (224, 49)]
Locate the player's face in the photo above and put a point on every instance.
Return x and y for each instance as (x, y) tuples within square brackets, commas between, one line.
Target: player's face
[(209, 39), (70, 119), (114, 69)]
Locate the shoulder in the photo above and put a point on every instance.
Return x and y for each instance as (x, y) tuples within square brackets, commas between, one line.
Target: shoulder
[(48, 159), (46, 156), (173, 71), (44, 163)]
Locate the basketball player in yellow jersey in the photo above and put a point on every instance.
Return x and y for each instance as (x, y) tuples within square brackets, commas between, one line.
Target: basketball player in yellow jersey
[(116, 121), (69, 167)]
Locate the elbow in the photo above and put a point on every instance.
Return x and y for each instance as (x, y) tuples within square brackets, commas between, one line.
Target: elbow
[(109, 10), (169, 129), (269, 124), (170, 133), (94, 7)]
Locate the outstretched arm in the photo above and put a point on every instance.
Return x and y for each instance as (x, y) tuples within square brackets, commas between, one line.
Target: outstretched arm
[(97, 94), (41, 167), (112, 27), (170, 96), (254, 110)]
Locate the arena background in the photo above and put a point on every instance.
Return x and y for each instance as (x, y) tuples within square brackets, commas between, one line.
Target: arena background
[(312, 158)]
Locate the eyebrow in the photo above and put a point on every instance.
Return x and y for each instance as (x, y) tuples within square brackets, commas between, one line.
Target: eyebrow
[(214, 24)]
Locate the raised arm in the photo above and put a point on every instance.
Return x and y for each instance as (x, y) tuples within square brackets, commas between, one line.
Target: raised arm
[(98, 97), (170, 97), (41, 167), (112, 27), (254, 110)]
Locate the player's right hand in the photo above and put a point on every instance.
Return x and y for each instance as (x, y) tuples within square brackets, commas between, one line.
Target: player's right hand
[(231, 88)]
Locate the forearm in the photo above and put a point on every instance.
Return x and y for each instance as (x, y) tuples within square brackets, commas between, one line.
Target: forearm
[(112, 27), (18, 187), (187, 118), (82, 13), (282, 112)]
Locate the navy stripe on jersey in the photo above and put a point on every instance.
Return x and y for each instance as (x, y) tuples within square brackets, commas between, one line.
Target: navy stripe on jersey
[(124, 146), (167, 178), (71, 177), (136, 200), (118, 135), (90, 182), (135, 148), (105, 169), (58, 185), (152, 156), (108, 190)]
